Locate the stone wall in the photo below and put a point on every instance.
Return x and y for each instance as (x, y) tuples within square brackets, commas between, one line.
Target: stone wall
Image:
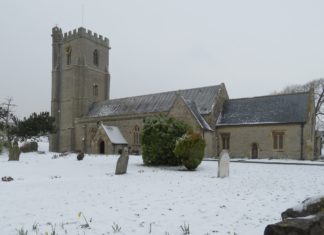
[(181, 112), (86, 127), (242, 138), (212, 119)]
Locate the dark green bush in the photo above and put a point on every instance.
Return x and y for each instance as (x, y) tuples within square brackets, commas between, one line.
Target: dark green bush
[(1, 146), (158, 138), (190, 149), (29, 147)]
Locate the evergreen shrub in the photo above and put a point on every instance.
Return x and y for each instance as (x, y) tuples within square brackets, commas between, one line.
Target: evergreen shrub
[(158, 139), (190, 149)]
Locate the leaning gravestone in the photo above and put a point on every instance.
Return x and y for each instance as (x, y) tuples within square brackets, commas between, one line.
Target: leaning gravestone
[(223, 164), (121, 167), (14, 152)]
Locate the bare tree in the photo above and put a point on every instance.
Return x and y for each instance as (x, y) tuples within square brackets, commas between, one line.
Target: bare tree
[(318, 86), (7, 117)]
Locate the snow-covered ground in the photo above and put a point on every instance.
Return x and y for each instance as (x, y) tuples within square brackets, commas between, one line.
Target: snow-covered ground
[(49, 193)]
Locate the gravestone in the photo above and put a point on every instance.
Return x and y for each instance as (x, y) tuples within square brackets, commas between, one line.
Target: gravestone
[(223, 164), (14, 152), (122, 163), (80, 156)]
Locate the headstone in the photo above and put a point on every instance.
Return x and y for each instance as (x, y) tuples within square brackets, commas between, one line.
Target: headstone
[(122, 163), (223, 164), (14, 152), (80, 156)]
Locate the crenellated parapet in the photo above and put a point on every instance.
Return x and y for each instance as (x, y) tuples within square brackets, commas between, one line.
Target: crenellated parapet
[(57, 34), (84, 33)]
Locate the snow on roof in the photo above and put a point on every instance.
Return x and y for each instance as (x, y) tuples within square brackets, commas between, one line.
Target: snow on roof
[(273, 109), (204, 97), (114, 134)]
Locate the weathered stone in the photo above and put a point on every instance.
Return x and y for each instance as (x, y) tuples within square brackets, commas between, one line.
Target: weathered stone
[(305, 219), (310, 206), (223, 164), (311, 225), (80, 156), (122, 162), (14, 152)]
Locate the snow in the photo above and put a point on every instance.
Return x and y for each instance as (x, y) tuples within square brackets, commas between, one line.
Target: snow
[(47, 190), (114, 134), (279, 161), (312, 200)]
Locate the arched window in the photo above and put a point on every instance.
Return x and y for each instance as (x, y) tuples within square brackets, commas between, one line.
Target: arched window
[(136, 135), (95, 57), (95, 90)]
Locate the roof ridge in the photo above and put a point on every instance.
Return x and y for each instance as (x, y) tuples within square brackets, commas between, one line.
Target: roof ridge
[(164, 92), (274, 95)]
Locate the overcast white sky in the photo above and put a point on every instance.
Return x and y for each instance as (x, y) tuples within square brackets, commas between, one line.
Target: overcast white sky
[(255, 47)]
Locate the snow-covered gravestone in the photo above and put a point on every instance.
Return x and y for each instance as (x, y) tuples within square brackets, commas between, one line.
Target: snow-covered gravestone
[(122, 163), (223, 164)]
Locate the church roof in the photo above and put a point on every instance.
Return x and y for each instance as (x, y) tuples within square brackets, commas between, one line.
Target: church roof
[(194, 110), (286, 108), (204, 97)]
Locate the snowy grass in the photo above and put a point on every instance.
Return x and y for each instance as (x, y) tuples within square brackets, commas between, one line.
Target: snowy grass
[(48, 194)]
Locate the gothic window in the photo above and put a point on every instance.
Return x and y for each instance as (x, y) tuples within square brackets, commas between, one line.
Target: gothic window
[(136, 135), (225, 140), (278, 140), (95, 57), (95, 90)]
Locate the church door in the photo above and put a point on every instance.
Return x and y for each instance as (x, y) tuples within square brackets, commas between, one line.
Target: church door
[(254, 151), (102, 147)]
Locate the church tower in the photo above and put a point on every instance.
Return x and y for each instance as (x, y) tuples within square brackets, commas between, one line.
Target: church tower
[(80, 77)]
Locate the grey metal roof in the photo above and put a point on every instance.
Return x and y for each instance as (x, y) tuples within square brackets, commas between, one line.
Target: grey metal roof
[(204, 98), (194, 110), (286, 108), (114, 134)]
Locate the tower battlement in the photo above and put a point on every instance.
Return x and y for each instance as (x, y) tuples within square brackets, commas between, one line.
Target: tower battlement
[(57, 34), (84, 33)]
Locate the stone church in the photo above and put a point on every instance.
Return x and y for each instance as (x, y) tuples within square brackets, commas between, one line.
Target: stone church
[(87, 120)]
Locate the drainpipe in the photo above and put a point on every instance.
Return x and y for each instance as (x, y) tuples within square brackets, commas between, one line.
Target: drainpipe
[(302, 141)]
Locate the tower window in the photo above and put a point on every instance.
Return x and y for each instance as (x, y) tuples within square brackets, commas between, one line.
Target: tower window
[(95, 57), (95, 90)]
